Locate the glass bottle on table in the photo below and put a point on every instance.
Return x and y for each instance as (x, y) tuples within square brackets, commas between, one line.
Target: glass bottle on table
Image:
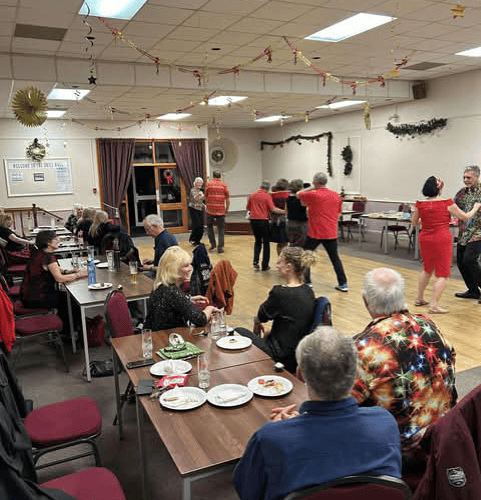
[(116, 249), (92, 275)]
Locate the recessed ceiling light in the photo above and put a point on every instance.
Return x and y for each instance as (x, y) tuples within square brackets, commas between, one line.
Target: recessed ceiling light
[(340, 104), (68, 94), (115, 9), (350, 27), (471, 52), (173, 116), (55, 113), (273, 118), (224, 100)]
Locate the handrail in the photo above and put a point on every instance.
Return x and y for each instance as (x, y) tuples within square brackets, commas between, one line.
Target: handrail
[(34, 210)]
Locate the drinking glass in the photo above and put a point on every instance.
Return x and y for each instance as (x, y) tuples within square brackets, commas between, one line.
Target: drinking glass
[(217, 326), (133, 271), (203, 370), (75, 263), (147, 343), (110, 259)]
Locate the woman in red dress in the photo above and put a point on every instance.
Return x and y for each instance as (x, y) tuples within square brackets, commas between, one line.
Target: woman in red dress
[(436, 240)]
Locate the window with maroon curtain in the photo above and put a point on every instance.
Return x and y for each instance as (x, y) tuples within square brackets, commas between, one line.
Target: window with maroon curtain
[(116, 169), (189, 157)]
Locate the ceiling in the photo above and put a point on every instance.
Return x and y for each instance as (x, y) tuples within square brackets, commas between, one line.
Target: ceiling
[(182, 34)]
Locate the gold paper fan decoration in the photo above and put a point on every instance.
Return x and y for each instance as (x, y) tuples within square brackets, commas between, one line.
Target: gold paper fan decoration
[(30, 107)]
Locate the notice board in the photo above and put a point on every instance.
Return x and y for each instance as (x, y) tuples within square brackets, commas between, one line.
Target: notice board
[(37, 178)]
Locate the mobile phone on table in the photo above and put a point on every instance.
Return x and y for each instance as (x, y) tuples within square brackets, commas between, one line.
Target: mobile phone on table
[(140, 363)]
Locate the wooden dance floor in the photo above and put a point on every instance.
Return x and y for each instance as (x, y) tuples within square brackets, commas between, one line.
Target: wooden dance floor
[(461, 325)]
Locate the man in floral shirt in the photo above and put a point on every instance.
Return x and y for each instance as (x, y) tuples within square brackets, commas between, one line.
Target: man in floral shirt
[(469, 241), (405, 364)]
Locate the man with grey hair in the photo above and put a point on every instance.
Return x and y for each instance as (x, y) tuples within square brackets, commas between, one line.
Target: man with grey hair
[(154, 226), (260, 206), (325, 207), (330, 437), (405, 365), (217, 200), (469, 238)]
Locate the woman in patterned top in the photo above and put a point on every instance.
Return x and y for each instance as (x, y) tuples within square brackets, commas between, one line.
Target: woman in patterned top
[(169, 306), (196, 211)]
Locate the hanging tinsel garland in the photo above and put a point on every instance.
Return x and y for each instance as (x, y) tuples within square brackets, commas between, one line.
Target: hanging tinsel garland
[(413, 130), (299, 138), (347, 157)]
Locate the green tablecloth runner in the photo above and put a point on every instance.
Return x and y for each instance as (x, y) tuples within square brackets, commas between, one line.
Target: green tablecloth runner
[(180, 351)]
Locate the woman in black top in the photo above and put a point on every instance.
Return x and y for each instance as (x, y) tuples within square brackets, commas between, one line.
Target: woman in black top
[(18, 249), (296, 216), (169, 306), (290, 306)]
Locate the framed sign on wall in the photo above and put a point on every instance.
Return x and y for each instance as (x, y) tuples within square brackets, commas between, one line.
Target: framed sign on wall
[(38, 178)]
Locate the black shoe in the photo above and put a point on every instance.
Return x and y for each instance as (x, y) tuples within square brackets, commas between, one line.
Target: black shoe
[(212, 248), (220, 250), (467, 295), (257, 267), (266, 268)]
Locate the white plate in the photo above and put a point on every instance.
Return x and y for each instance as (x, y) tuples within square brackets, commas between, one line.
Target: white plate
[(103, 265), (170, 367), (234, 342), (282, 386), (228, 395), (96, 261), (100, 286), (183, 398)]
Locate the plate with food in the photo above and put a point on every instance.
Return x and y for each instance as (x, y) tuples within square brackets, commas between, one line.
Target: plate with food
[(234, 342), (99, 286), (228, 395), (270, 385), (183, 398), (170, 367)]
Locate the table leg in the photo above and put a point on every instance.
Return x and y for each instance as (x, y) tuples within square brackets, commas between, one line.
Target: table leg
[(386, 233), (86, 344), (70, 318), (117, 392), (416, 242), (187, 481), (140, 439)]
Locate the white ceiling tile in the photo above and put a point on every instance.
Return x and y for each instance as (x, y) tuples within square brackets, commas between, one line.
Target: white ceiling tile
[(400, 8), (34, 68), (241, 7), (55, 18), (170, 44), (251, 25), (194, 34), (278, 83), (73, 70), (281, 11), (7, 29), (295, 30), (7, 13), (147, 29), (165, 15), (25, 44), (206, 48), (322, 17), (110, 73), (236, 37), (210, 19)]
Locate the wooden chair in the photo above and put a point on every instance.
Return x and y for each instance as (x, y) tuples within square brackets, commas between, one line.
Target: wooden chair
[(360, 487)]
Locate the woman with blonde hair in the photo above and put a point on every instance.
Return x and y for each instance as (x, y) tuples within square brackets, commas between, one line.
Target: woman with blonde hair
[(99, 228), (18, 249), (291, 307), (84, 223), (169, 306)]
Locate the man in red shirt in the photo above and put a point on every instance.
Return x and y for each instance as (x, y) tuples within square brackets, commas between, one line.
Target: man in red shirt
[(324, 207), (217, 201), (260, 206)]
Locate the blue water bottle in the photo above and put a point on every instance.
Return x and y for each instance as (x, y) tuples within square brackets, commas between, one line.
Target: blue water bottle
[(92, 276)]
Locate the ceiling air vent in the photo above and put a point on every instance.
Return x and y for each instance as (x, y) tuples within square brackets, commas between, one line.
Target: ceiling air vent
[(39, 32), (423, 66)]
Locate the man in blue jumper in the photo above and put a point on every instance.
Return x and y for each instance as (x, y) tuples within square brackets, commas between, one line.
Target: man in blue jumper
[(154, 226), (330, 436)]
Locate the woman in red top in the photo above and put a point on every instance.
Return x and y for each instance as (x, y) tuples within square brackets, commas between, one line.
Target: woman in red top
[(436, 240)]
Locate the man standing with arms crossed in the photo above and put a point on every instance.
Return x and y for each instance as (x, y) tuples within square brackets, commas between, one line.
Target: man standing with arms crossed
[(469, 239), (324, 206), (217, 201)]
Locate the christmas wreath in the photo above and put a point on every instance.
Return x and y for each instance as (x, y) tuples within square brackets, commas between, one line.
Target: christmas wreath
[(412, 129), (347, 157), (36, 151), (168, 176)]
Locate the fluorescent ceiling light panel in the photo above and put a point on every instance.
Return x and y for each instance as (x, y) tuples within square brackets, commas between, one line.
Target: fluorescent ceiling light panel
[(350, 27), (115, 9), (471, 52), (55, 113), (273, 118), (173, 116), (68, 94), (340, 104), (224, 100)]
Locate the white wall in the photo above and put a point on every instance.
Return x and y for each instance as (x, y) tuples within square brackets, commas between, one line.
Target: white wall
[(77, 142), (386, 168), (244, 175)]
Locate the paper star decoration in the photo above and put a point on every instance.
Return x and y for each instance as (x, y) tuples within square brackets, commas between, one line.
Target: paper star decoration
[(92, 80), (458, 11)]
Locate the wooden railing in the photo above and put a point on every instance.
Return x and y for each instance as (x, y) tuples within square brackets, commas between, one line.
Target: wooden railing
[(20, 213)]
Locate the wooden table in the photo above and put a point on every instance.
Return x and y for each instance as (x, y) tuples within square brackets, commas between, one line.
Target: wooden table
[(208, 439), (86, 299)]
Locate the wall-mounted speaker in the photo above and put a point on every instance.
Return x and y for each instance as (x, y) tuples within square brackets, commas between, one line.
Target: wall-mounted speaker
[(420, 90)]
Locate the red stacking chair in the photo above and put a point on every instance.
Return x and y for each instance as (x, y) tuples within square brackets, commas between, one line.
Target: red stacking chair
[(89, 484), (11, 271), (49, 325), (61, 425), (119, 323), (361, 487)]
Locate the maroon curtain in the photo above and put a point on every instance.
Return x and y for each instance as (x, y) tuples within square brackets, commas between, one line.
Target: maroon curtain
[(189, 156), (116, 168)]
